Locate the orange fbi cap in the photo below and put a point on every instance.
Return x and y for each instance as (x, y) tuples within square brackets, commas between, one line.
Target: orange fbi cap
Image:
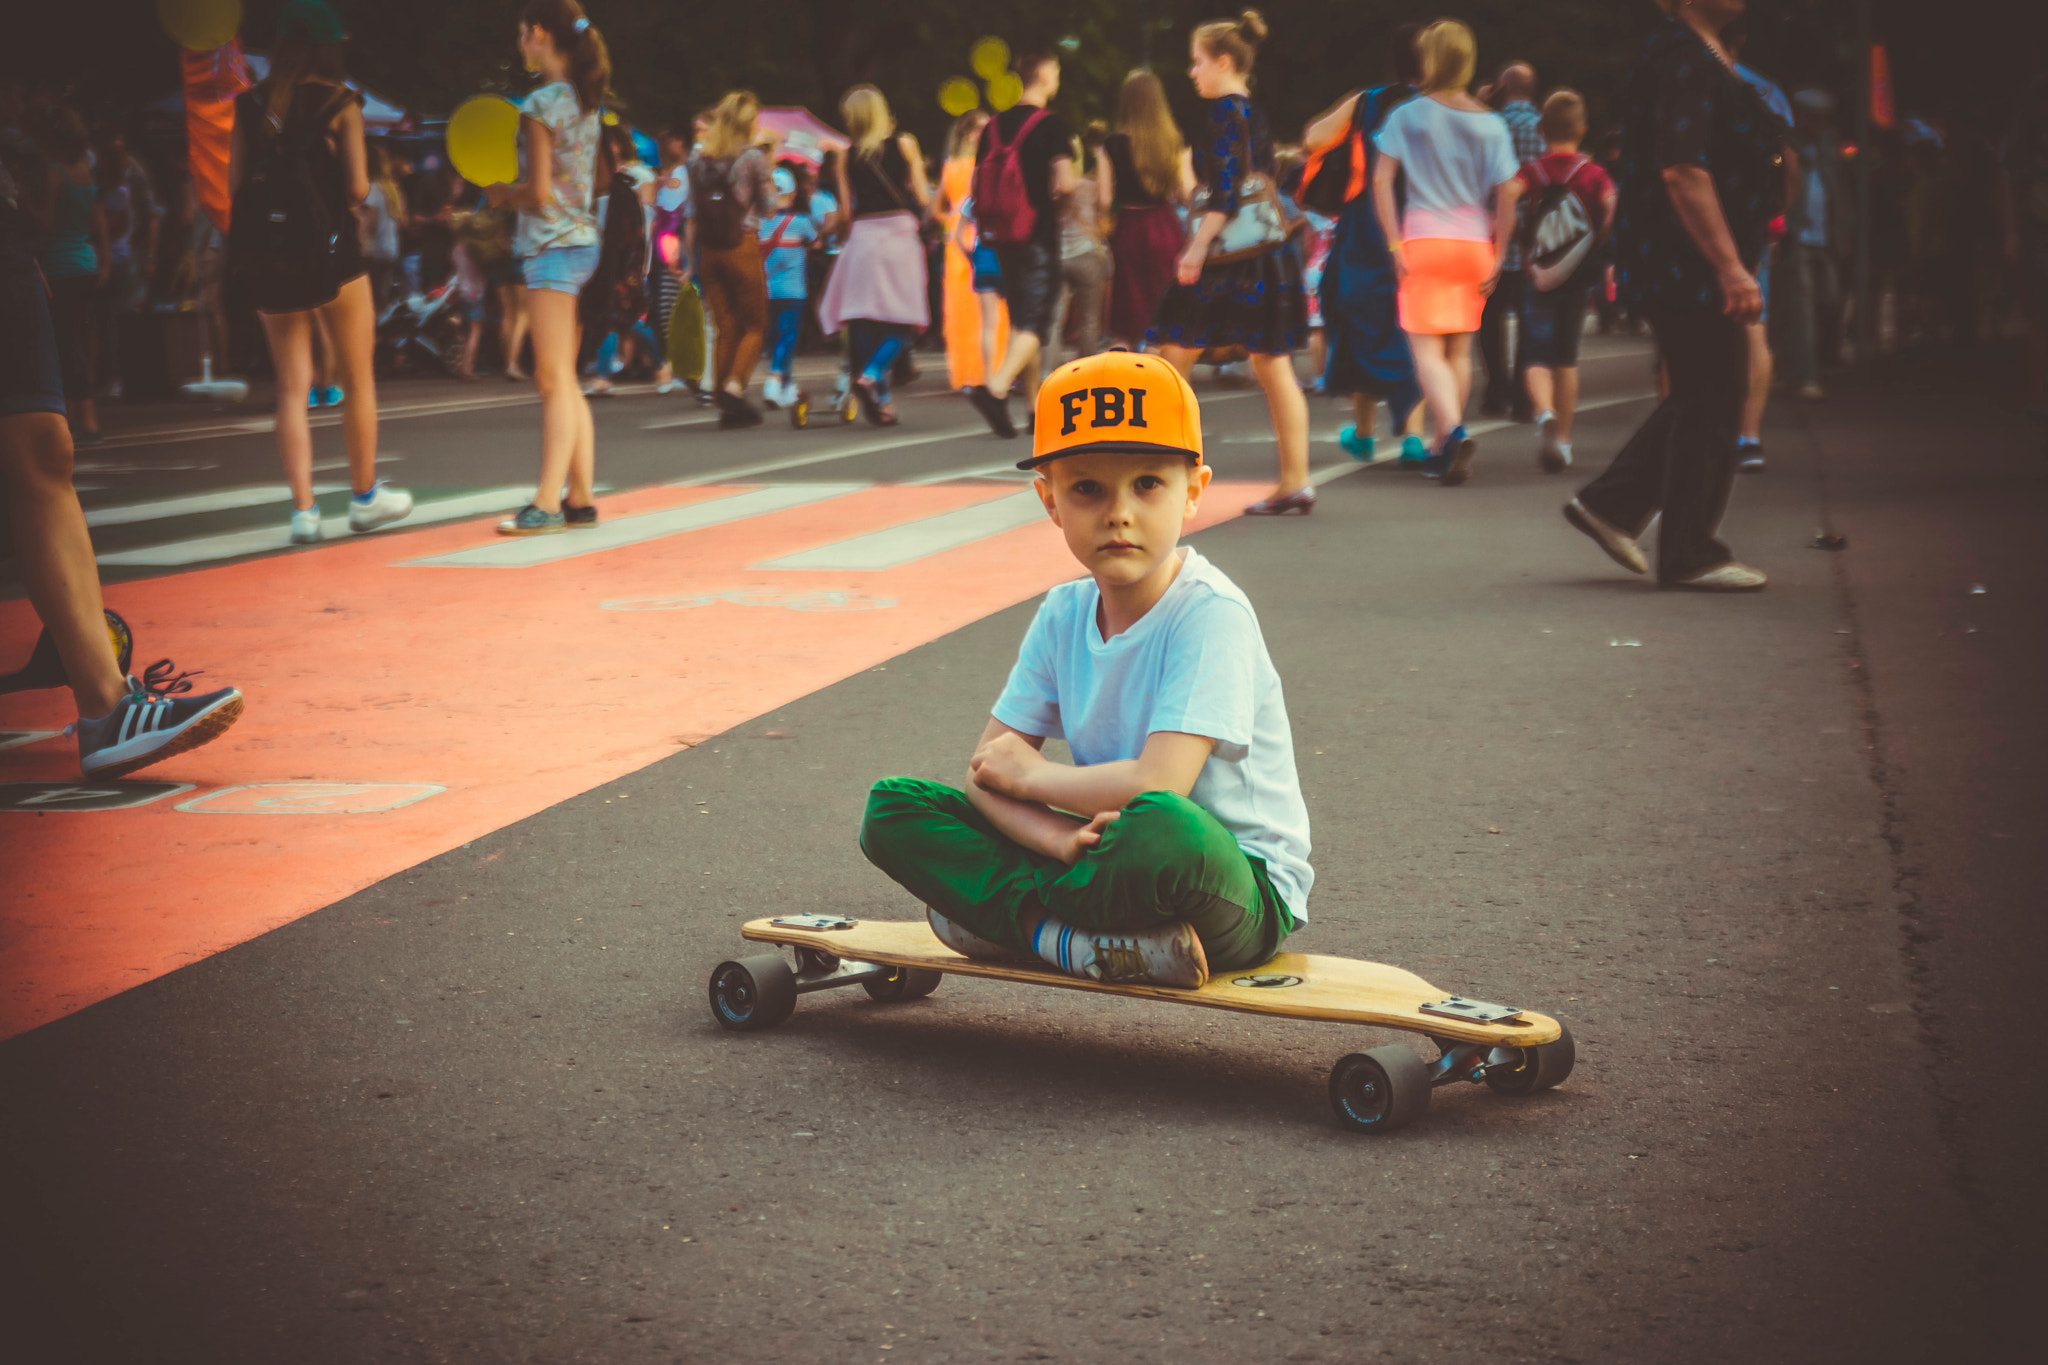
[(1118, 400)]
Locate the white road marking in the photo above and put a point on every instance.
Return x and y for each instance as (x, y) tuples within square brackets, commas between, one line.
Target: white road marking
[(747, 472), (915, 540), (203, 549), (519, 552), (219, 500)]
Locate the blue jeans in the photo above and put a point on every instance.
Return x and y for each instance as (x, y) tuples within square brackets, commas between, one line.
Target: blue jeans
[(788, 317), (873, 348)]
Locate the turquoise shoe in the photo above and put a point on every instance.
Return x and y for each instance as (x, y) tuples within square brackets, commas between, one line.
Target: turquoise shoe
[(1356, 446), (1413, 451)]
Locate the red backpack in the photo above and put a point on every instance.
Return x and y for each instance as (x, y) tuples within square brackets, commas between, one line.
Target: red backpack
[(1003, 212)]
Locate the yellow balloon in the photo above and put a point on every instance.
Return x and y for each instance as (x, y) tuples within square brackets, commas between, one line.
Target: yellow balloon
[(483, 140), (990, 58), (1004, 91), (200, 25), (958, 95)]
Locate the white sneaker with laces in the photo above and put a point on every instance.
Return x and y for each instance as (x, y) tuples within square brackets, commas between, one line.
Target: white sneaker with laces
[(1170, 955), (306, 526), (385, 506)]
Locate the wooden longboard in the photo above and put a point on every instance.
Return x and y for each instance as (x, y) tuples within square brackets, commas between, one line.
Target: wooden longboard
[(1292, 985)]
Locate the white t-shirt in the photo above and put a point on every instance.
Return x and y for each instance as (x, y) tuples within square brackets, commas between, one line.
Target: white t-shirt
[(1453, 158), (1197, 664)]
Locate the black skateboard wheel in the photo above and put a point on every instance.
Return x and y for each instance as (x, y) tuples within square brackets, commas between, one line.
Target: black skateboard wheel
[(753, 993), (902, 983), (1380, 1090), (1535, 1068)]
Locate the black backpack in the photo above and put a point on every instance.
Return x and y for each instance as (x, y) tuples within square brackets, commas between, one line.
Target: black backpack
[(616, 295), (720, 215), (283, 237)]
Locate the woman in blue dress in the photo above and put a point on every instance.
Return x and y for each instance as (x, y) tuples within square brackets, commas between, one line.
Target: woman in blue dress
[(1258, 301), (1369, 357)]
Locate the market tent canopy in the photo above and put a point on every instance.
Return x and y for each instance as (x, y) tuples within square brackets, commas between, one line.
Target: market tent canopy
[(805, 137)]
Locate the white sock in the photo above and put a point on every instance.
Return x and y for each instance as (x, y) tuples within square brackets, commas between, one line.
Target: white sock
[(1544, 416)]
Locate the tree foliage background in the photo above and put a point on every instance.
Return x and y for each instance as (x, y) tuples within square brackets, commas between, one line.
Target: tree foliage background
[(672, 57)]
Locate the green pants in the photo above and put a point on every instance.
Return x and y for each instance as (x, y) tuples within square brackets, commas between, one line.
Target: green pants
[(1163, 859)]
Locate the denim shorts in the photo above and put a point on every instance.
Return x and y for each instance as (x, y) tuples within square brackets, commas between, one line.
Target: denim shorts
[(564, 269), (1763, 287), (1551, 325)]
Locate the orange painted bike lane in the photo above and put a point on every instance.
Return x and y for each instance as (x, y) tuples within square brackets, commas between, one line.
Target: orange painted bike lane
[(475, 696)]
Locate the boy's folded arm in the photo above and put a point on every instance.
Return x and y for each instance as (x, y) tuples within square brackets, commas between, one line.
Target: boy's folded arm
[(1170, 761), (1031, 823)]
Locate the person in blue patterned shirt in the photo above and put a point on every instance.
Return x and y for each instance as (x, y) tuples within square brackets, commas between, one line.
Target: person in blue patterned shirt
[(1513, 92), (1701, 178)]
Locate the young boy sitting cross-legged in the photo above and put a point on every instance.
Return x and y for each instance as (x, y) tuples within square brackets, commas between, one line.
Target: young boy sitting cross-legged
[(1176, 843)]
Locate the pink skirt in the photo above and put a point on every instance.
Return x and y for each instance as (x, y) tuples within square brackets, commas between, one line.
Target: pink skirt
[(879, 277)]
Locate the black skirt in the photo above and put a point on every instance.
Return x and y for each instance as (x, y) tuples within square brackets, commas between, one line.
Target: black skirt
[(1258, 303)]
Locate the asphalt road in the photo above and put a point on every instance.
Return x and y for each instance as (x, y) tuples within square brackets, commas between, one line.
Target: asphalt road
[(1774, 859)]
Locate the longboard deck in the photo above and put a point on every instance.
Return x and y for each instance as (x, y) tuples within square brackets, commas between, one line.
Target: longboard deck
[(1298, 985)]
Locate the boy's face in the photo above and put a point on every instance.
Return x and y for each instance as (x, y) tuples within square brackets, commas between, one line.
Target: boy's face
[(1122, 513)]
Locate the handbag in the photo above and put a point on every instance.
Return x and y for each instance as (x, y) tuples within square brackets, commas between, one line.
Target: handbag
[(1258, 225)]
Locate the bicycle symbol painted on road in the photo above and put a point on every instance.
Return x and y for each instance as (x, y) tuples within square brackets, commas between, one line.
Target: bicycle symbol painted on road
[(789, 599), (311, 798)]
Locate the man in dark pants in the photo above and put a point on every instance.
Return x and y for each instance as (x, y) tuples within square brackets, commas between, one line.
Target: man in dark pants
[(1513, 94), (1031, 269), (1701, 178)]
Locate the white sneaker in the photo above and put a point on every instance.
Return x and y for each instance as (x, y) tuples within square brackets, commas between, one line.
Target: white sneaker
[(386, 505), (970, 944), (1552, 455), (1170, 955), (306, 526), (1729, 577), (771, 392)]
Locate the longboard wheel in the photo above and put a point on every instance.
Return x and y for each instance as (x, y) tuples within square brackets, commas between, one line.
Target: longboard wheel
[(902, 983), (1379, 1091), (800, 411), (753, 993), (849, 409), (1537, 1068)]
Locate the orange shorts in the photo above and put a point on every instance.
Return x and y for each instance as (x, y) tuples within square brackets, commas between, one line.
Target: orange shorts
[(1441, 295)]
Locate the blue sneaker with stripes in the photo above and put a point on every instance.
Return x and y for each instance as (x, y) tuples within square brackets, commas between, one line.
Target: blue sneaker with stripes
[(153, 722)]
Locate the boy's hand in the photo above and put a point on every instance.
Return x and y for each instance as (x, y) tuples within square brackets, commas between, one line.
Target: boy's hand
[(1003, 765), (1086, 837)]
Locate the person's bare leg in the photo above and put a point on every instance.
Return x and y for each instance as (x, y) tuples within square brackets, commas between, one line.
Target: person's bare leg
[(1439, 381), (1318, 351), (1182, 358), (583, 460), (322, 353), (1023, 352), (1413, 425), (1289, 411), (291, 357), (990, 316), (351, 330), (1542, 393), (1759, 381), (1364, 412), (513, 318), (564, 412), (54, 552), (1567, 401), (1458, 352)]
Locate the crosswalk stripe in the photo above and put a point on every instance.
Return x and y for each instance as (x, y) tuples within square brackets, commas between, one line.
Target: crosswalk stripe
[(915, 540), (524, 551), (747, 472), (220, 500), (201, 549)]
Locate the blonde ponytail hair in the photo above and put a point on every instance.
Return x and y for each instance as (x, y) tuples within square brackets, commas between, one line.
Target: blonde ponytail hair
[(1237, 39)]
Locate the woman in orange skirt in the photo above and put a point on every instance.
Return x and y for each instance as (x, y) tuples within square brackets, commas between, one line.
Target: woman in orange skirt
[(1447, 246), (970, 340)]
